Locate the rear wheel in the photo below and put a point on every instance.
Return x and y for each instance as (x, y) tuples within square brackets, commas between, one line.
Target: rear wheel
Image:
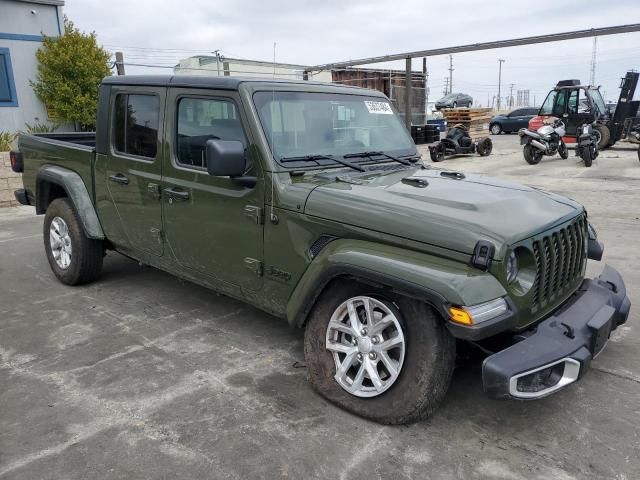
[(563, 150), (74, 258), (532, 155), (378, 355), (496, 129)]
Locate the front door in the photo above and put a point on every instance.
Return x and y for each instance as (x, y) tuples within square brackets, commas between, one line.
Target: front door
[(133, 167), (579, 111), (213, 225)]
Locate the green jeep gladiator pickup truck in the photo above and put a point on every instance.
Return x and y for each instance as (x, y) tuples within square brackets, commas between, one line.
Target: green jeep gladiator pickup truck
[(311, 202)]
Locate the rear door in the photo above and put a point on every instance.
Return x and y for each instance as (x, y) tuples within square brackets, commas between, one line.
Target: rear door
[(133, 166), (213, 225)]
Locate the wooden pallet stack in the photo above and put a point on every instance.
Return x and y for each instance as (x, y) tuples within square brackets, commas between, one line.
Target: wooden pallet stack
[(476, 120)]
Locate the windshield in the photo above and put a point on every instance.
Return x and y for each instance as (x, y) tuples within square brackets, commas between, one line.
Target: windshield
[(597, 100), (302, 124)]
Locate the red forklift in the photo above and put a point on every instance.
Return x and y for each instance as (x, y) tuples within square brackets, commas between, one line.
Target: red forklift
[(577, 104)]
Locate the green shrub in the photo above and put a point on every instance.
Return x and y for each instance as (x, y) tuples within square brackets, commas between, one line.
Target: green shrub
[(6, 141), (41, 128)]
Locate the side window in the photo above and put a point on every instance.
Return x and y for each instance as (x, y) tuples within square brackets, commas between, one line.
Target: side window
[(560, 103), (516, 113), (8, 96), (202, 119), (136, 124), (573, 102)]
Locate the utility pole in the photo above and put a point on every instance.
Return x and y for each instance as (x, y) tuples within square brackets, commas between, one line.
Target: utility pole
[(219, 58), (446, 87), (408, 79), (488, 100), (511, 95), (592, 80), (426, 87), (500, 61), (120, 63), (450, 73)]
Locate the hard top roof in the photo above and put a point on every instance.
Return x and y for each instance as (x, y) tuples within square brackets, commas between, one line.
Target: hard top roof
[(216, 82)]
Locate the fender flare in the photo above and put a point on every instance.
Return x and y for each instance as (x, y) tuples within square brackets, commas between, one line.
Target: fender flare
[(426, 277), (75, 188)]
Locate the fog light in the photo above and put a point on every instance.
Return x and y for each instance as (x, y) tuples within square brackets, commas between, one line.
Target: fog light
[(541, 380), (544, 380)]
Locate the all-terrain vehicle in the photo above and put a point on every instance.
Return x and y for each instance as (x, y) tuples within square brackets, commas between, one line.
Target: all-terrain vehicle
[(458, 142)]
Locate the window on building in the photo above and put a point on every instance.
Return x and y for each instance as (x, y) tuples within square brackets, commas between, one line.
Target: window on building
[(7, 85), (202, 119), (136, 124)]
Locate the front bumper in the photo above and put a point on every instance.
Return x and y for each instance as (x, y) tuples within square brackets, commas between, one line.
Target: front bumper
[(560, 349)]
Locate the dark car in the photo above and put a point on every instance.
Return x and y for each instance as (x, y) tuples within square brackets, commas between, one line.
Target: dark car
[(512, 121), (454, 100)]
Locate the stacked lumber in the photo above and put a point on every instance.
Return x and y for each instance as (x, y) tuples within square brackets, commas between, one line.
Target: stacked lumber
[(476, 120)]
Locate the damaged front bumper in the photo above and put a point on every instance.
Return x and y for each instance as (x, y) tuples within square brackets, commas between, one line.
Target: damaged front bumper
[(560, 349)]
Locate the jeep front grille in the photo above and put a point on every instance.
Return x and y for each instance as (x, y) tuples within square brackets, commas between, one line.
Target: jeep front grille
[(560, 257)]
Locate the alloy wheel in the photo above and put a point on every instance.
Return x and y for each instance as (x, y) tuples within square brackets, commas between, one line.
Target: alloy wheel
[(60, 242), (368, 346)]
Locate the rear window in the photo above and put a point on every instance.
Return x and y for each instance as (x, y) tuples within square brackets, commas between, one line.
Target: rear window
[(135, 126)]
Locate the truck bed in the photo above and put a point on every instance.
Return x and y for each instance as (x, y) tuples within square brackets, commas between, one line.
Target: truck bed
[(74, 151)]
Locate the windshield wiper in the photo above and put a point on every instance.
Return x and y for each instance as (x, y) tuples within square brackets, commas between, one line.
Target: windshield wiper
[(377, 154), (315, 158)]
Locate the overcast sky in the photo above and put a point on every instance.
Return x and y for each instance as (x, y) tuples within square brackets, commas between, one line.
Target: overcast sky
[(160, 32)]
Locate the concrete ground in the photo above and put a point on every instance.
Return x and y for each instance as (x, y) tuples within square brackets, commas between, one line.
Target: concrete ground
[(140, 375)]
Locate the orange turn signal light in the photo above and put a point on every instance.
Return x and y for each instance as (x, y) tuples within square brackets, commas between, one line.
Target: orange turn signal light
[(460, 315)]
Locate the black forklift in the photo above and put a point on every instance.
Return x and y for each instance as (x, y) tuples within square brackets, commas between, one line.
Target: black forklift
[(577, 105)]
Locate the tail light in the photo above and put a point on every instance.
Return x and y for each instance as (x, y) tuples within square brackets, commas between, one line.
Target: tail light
[(16, 161)]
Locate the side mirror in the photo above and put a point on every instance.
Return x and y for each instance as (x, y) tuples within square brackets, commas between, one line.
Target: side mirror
[(225, 158)]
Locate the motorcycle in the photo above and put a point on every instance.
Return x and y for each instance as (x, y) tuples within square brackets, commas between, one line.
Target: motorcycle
[(547, 140), (587, 146)]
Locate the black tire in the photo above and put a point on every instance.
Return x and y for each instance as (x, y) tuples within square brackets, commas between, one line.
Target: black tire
[(588, 156), (437, 153), (484, 147), (455, 104), (86, 254), (495, 129), (532, 155), (563, 151), (604, 134), (430, 353), (469, 104)]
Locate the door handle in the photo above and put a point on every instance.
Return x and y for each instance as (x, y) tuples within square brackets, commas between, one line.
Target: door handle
[(119, 178), (176, 194)]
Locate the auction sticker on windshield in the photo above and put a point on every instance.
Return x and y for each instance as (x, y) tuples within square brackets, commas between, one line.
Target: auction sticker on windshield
[(378, 107)]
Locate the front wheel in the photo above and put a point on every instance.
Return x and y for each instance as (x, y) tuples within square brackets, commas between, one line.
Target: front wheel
[(603, 135), (532, 155), (74, 258), (437, 152), (381, 356), (484, 147), (496, 129), (563, 150), (455, 104)]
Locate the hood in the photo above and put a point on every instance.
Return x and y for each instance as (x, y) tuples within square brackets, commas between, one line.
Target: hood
[(447, 212)]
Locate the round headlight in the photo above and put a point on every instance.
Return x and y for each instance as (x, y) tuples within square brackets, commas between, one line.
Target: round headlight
[(512, 267), (520, 270)]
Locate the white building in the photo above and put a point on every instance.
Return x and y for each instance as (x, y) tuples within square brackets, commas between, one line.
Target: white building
[(22, 24), (237, 67)]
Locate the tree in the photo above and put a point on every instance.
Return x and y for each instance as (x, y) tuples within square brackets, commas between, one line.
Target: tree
[(70, 68)]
